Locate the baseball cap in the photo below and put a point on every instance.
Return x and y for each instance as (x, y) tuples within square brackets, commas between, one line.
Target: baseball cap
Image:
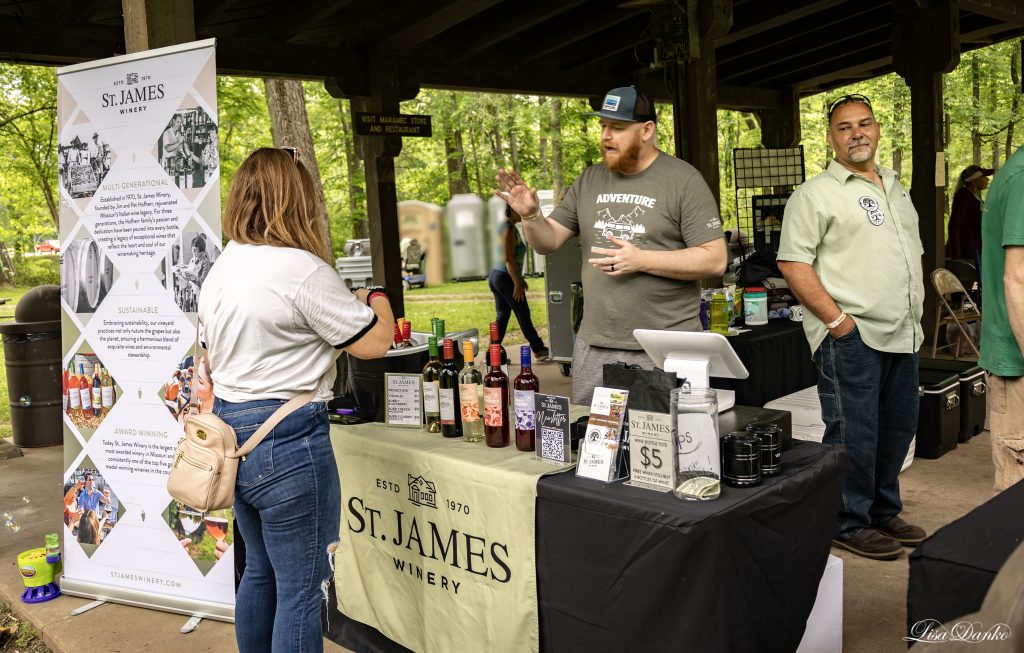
[(972, 172), (627, 104)]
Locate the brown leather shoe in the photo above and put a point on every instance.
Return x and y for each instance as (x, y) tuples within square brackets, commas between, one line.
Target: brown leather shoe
[(899, 530), (869, 543)]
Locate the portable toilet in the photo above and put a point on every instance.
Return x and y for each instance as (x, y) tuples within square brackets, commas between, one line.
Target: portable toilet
[(496, 214), (467, 238), (422, 221)]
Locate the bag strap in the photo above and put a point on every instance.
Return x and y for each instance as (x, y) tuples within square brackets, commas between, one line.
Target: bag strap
[(284, 411), (192, 397)]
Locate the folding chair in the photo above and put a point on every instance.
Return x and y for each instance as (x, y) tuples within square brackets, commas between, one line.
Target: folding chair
[(967, 273), (955, 307)]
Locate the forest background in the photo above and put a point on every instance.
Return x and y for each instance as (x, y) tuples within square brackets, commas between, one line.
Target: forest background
[(548, 139)]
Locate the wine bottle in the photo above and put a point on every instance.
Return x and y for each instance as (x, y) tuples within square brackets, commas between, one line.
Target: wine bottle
[(496, 401), (470, 380), (108, 389), (407, 333), (64, 389), (448, 382), (439, 329), (97, 391), (84, 390), (431, 395), (496, 341), (397, 340), (523, 388), (74, 397)]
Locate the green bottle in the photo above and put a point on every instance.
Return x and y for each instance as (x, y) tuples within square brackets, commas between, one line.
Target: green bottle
[(719, 314)]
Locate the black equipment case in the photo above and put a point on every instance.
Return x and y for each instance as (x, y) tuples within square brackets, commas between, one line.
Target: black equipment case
[(939, 422), (972, 392)]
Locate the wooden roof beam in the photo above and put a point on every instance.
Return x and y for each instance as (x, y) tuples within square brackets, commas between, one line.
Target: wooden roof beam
[(1008, 11), (309, 14), (780, 66), (556, 39), (36, 41), (812, 29), (450, 15), (260, 58), (822, 80), (767, 16), (436, 73), (483, 35)]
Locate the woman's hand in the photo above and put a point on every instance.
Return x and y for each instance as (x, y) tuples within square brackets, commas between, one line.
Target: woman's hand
[(519, 290)]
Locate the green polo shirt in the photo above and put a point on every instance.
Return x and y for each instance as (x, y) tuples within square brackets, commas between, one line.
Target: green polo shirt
[(1002, 225), (864, 245)]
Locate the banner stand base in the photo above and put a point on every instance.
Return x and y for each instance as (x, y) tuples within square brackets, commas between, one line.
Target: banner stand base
[(190, 607), (191, 625), (85, 608)]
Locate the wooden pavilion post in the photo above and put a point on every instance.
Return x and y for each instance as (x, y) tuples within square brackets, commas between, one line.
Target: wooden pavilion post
[(378, 153), (695, 89), (926, 44), (152, 24), (780, 126)]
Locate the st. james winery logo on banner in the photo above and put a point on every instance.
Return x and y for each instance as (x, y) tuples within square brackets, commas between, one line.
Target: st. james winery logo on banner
[(139, 227), (434, 534)]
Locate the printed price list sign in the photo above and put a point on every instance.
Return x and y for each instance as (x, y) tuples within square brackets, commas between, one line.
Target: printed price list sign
[(651, 463)]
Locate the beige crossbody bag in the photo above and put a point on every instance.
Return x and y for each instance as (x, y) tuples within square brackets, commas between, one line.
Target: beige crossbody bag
[(206, 460)]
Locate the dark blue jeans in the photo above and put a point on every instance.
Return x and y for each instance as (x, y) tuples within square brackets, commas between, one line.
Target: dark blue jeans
[(288, 510), (502, 286), (869, 403)]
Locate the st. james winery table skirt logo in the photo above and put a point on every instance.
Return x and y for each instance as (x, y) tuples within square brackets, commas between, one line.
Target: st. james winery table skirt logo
[(417, 533)]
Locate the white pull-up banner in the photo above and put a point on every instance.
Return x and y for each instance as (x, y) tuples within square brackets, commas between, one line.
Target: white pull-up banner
[(139, 228)]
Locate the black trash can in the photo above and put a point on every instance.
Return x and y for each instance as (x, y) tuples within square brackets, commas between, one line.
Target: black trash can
[(32, 349)]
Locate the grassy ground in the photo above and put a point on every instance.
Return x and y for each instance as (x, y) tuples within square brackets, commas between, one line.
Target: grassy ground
[(18, 636), (470, 305)]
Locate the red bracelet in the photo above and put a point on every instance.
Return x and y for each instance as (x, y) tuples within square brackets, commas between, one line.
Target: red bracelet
[(376, 293)]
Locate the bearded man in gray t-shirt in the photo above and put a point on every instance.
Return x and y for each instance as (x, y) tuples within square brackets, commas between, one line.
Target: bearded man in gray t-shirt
[(651, 227)]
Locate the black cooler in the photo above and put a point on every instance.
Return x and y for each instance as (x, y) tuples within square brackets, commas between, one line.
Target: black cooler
[(972, 393), (939, 423)]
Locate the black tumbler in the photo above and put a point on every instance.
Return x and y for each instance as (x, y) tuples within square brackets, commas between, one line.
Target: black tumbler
[(741, 459), (770, 435)]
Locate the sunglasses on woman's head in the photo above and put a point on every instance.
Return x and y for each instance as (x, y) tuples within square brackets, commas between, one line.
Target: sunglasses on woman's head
[(293, 151)]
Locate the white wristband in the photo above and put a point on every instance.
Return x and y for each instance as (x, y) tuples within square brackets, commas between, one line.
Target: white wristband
[(838, 321)]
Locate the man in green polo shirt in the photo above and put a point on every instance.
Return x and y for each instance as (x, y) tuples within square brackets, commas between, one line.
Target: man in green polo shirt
[(851, 253), (1002, 322)]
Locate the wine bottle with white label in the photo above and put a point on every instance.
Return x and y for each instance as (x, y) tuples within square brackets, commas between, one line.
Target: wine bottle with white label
[(470, 380), (431, 388), (523, 388)]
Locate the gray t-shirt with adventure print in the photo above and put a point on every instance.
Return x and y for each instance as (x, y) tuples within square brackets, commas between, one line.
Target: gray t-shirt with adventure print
[(667, 206)]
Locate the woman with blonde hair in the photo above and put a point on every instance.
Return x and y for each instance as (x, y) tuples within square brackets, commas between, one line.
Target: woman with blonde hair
[(275, 317)]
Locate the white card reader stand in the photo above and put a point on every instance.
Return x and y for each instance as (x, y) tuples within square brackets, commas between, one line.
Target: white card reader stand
[(695, 355)]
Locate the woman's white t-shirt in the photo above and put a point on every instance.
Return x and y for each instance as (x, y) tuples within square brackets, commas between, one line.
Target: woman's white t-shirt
[(275, 320)]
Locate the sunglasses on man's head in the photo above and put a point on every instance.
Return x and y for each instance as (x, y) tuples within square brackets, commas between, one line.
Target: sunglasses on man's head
[(293, 151), (846, 99)]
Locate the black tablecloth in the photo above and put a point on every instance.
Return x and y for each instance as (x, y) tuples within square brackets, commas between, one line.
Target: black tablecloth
[(951, 571), (779, 361), (624, 569)]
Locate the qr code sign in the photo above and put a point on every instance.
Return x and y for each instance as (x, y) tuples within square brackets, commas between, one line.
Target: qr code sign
[(551, 445)]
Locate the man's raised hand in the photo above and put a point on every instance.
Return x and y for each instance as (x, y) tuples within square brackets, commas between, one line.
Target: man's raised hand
[(513, 189)]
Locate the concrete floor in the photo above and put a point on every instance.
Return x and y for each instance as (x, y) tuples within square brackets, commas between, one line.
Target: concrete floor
[(935, 492)]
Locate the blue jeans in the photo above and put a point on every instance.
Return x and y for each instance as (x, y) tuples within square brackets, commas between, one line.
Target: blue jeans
[(869, 403), (502, 287), (288, 510)]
